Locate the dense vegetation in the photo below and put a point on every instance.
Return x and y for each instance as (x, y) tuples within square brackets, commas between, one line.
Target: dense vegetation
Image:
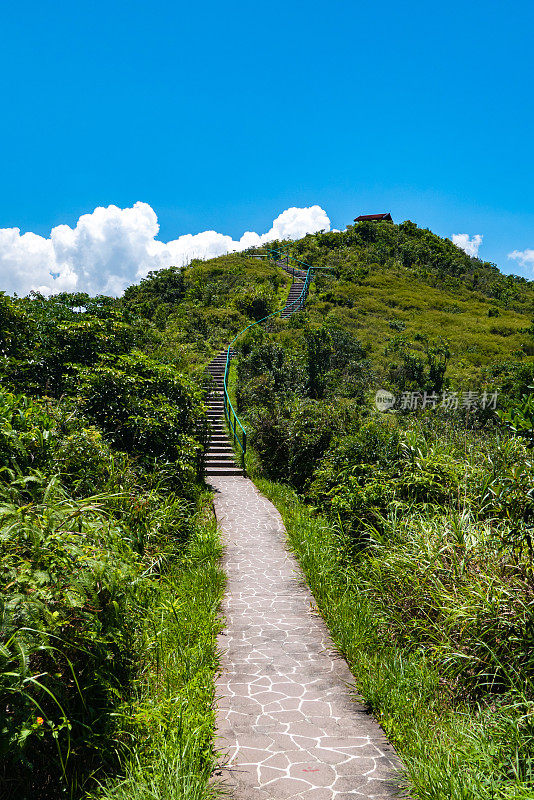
[(414, 525), (109, 572), (202, 307)]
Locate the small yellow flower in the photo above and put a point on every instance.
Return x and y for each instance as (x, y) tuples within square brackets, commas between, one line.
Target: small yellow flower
[(40, 720)]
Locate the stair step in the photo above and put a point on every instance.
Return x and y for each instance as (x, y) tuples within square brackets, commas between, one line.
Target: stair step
[(224, 471), (233, 469)]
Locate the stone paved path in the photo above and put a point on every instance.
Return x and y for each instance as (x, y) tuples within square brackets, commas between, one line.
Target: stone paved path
[(287, 720)]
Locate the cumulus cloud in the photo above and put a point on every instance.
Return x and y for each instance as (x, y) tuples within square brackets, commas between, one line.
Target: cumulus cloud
[(525, 258), (113, 247), (467, 243)]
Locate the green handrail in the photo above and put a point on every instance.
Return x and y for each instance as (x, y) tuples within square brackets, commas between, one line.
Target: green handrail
[(234, 423)]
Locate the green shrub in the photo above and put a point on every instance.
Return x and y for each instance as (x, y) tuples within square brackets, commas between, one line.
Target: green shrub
[(256, 303), (148, 410), (419, 365), (84, 461), (63, 331), (291, 439), (266, 374)]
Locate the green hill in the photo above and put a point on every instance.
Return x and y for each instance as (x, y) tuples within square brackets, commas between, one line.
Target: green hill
[(414, 525), (386, 284)]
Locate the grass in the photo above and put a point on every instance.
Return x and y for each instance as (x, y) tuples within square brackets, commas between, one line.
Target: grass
[(453, 747), (170, 720), (460, 316)]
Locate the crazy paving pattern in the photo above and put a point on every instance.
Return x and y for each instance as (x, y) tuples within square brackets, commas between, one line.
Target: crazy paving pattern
[(288, 723)]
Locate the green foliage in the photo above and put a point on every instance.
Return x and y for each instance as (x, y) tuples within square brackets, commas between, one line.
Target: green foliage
[(256, 303), (149, 411), (292, 438), (159, 292), (67, 628), (171, 712), (55, 334), (98, 483), (416, 250), (26, 432), (266, 373), (203, 306), (15, 327), (519, 417), (385, 278), (335, 363), (420, 365), (328, 362)]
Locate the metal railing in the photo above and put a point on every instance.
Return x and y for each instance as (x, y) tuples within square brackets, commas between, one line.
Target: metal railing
[(239, 433)]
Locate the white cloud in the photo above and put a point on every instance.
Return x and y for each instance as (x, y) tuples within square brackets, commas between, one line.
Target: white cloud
[(113, 247), (524, 258), (467, 243)]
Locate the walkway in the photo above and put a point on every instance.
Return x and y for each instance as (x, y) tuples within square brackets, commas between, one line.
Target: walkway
[(287, 717)]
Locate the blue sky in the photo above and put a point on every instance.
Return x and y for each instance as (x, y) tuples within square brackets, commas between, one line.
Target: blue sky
[(220, 116)]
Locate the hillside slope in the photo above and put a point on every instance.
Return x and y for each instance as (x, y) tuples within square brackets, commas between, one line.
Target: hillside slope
[(386, 284)]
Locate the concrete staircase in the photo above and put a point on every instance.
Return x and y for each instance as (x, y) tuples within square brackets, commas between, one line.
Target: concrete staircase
[(219, 458), (294, 293), (295, 271)]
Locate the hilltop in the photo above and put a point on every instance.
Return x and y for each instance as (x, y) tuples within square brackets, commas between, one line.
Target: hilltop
[(386, 284)]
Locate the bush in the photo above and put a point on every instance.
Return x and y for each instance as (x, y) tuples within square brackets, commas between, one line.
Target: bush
[(84, 461), (419, 365), (353, 482), (256, 303), (293, 438), (266, 374), (60, 332), (149, 411)]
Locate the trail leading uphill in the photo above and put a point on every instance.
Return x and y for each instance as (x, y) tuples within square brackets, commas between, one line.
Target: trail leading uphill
[(219, 459), (287, 722)]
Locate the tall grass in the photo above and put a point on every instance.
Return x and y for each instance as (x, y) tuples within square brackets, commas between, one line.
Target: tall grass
[(430, 622), (170, 720), (107, 651)]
